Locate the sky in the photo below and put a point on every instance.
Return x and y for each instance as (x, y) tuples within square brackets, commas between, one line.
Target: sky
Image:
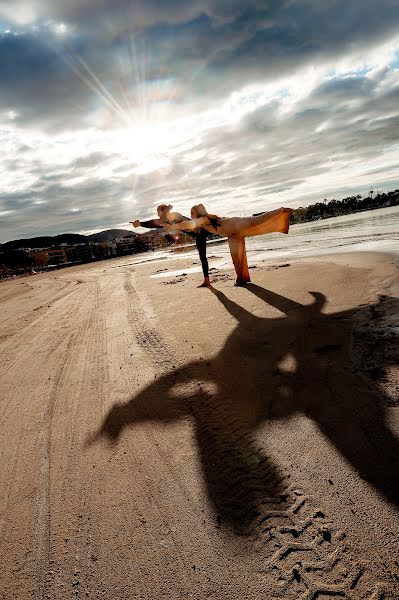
[(109, 108)]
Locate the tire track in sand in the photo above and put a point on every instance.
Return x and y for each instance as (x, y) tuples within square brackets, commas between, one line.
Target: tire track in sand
[(148, 339), (43, 520), (65, 567)]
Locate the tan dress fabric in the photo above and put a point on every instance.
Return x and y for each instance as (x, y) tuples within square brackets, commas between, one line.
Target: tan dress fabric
[(236, 229)]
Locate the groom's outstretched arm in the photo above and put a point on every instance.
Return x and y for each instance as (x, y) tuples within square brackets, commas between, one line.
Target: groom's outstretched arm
[(157, 223), (150, 224)]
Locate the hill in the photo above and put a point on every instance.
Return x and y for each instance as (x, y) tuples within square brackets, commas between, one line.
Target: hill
[(109, 234), (65, 238)]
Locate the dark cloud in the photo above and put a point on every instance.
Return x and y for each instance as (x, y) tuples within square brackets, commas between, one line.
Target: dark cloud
[(56, 208), (265, 40), (92, 161), (206, 48), (342, 89), (37, 83), (117, 15)]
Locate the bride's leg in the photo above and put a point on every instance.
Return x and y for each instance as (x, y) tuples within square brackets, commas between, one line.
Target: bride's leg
[(239, 257), (274, 221)]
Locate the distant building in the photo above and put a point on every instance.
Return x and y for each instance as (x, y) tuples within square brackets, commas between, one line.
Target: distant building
[(126, 244), (153, 239), (48, 256), (79, 253)]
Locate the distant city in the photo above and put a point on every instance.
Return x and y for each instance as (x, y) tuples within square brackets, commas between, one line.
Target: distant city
[(35, 255)]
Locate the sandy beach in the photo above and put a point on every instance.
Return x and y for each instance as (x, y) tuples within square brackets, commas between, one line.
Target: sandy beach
[(164, 441)]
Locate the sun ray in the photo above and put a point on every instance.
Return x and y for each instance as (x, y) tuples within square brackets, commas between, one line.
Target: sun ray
[(96, 85)]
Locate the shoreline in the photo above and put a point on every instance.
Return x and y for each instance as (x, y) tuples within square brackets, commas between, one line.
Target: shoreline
[(191, 265), (376, 234)]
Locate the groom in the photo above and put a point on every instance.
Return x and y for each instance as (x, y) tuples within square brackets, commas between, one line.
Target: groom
[(170, 218)]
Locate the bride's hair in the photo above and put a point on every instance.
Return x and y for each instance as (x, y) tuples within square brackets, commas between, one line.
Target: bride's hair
[(201, 211)]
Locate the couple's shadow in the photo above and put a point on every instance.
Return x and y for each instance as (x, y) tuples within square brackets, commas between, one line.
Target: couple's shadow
[(273, 368)]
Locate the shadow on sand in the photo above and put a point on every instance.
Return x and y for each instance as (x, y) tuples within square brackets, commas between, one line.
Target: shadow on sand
[(274, 368)]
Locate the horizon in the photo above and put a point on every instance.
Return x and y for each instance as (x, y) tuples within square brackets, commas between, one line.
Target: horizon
[(140, 230), (108, 112)]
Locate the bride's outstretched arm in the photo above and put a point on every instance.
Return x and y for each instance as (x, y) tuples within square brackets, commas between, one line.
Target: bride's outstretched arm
[(188, 225)]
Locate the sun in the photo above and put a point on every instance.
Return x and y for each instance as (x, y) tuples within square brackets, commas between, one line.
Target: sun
[(148, 145)]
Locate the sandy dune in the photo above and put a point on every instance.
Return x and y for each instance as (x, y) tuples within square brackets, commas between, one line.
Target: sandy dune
[(163, 441)]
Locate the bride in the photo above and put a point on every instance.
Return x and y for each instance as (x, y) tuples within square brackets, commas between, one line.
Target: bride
[(236, 229)]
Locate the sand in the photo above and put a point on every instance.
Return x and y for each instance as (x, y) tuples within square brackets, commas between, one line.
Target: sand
[(164, 441)]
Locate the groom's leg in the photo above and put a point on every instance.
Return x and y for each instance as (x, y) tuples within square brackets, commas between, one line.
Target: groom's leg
[(200, 241)]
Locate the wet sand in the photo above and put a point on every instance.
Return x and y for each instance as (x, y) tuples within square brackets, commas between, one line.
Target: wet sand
[(164, 441)]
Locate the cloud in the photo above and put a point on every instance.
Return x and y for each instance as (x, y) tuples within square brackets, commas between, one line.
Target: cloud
[(108, 109), (38, 86), (181, 53)]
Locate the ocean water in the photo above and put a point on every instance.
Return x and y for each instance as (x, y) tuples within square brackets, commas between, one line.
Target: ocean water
[(376, 230)]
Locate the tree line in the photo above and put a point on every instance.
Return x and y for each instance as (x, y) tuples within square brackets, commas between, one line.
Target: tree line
[(351, 204)]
